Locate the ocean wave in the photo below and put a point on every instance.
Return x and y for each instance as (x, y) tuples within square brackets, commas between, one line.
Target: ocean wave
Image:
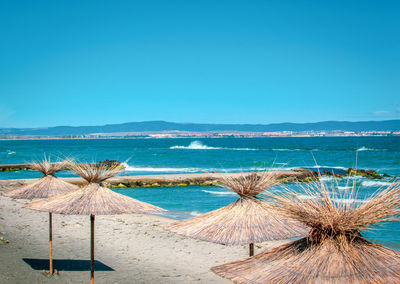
[(250, 169), (9, 152), (197, 145), (327, 179), (296, 149), (348, 200), (180, 215), (364, 149), (337, 200), (305, 196), (375, 183), (328, 167), (369, 149), (344, 187), (195, 213), (219, 192), (129, 168)]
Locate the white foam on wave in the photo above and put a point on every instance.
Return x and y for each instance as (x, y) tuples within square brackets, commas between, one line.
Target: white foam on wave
[(295, 149), (339, 168), (305, 196), (197, 145), (195, 213), (250, 169), (9, 152), (369, 149), (241, 149), (327, 179), (337, 200), (364, 149), (348, 200), (129, 168), (375, 183), (344, 187), (219, 192)]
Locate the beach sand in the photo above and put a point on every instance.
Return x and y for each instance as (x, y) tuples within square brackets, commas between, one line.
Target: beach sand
[(134, 246)]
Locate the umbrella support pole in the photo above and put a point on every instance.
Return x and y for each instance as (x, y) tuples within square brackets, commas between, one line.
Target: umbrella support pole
[(51, 243), (92, 249), (251, 249)]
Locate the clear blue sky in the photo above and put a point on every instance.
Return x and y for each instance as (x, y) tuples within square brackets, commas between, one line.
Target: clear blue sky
[(98, 62)]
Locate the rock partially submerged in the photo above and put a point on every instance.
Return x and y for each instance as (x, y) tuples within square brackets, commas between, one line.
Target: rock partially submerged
[(341, 172), (109, 163), (14, 167), (365, 173)]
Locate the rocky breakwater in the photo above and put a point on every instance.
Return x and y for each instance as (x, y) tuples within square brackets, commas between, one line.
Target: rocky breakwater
[(14, 167), (182, 180), (342, 172), (200, 179)]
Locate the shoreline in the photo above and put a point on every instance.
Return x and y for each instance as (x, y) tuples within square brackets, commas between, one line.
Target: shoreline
[(134, 246)]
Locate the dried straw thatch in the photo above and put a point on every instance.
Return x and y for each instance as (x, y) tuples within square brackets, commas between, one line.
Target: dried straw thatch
[(334, 251), (96, 173), (93, 199), (245, 221), (45, 187)]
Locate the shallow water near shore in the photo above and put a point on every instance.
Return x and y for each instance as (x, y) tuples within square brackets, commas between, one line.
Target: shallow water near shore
[(191, 201)]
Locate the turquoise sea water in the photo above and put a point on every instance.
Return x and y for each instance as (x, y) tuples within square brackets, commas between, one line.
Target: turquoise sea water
[(149, 156), (163, 156)]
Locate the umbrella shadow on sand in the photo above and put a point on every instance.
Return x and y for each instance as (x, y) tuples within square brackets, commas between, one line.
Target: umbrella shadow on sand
[(66, 264)]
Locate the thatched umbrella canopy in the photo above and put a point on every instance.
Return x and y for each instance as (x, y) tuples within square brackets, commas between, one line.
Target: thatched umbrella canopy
[(246, 221), (46, 186), (334, 251), (93, 199)]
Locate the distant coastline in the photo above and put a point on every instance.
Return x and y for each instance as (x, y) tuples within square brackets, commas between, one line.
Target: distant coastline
[(164, 129), (199, 135)]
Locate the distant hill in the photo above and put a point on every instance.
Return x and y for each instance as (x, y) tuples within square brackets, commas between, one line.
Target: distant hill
[(388, 125)]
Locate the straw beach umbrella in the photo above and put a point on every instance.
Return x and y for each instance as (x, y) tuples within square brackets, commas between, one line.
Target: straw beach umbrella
[(93, 199), (246, 221), (46, 186), (334, 251)]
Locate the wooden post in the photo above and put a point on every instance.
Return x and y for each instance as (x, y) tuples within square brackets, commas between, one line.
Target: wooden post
[(51, 242), (92, 249), (251, 249)]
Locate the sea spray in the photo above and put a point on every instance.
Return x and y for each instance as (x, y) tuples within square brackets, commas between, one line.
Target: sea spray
[(197, 145), (374, 183), (219, 192)]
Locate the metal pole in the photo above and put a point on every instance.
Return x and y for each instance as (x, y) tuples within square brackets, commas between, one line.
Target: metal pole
[(51, 242), (251, 249), (92, 249)]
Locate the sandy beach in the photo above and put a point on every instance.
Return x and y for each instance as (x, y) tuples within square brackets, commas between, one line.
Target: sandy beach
[(130, 248)]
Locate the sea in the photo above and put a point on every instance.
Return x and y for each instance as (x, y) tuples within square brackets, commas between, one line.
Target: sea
[(171, 156)]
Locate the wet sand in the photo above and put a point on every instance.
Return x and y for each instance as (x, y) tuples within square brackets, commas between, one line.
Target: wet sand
[(134, 246)]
